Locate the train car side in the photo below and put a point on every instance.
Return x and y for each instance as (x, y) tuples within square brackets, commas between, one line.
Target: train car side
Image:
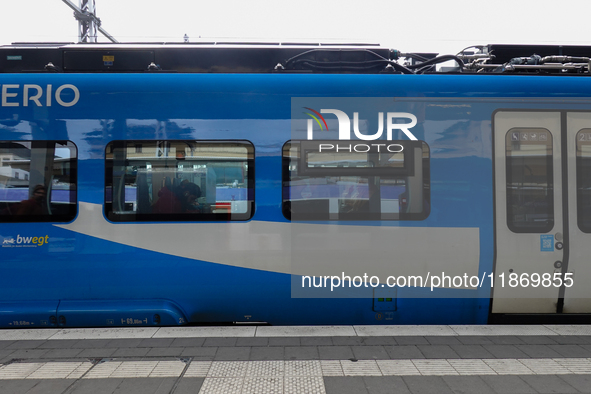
[(120, 141)]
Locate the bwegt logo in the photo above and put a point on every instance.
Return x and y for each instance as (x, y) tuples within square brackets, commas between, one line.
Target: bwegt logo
[(26, 241), (345, 130)]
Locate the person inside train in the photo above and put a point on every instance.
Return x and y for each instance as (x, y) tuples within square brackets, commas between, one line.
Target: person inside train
[(36, 204), (190, 193), (168, 201), (178, 199)]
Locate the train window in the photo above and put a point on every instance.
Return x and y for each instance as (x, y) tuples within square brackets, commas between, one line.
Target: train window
[(584, 180), (38, 181), (179, 181), (368, 182), (530, 187)]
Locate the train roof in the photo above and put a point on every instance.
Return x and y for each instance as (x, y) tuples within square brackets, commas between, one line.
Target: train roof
[(271, 57)]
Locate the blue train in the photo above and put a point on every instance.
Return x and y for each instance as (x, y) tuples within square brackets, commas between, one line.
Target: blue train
[(145, 185)]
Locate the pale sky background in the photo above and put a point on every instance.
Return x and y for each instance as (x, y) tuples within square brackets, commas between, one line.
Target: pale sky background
[(409, 26)]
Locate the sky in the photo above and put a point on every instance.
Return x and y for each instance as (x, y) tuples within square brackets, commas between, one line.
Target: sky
[(410, 26)]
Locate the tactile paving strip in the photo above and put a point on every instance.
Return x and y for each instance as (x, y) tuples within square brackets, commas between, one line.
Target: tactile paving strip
[(260, 377), (291, 373), (136, 369), (508, 367), (53, 370), (575, 365), (397, 367), (308, 385), (360, 368), (61, 370), (471, 367), (545, 366), (198, 369), (265, 368), (434, 367), (303, 368)]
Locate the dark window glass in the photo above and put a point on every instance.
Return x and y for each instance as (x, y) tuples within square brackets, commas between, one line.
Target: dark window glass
[(38, 181), (350, 185), (179, 181), (584, 180), (530, 187)]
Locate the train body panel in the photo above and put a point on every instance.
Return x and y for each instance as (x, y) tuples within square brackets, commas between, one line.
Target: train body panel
[(136, 267)]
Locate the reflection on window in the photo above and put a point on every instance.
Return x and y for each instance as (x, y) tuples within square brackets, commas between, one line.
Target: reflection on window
[(530, 199), (37, 181), (356, 186), (179, 181), (354, 160), (584, 180)]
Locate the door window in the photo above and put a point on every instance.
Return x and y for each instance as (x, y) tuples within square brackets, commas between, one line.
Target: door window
[(530, 201)]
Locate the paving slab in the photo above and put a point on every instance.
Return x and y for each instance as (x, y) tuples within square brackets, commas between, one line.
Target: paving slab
[(259, 353), (404, 352), (220, 342), (17, 386), (580, 382), (471, 351), (345, 385), (426, 385), (403, 330), (502, 330), (200, 353), (27, 334), (50, 386), (538, 351), (508, 384), (252, 342), (410, 340), (570, 350), (25, 344), (189, 386), (301, 353), (571, 329), (505, 351), (95, 386), (278, 341), (437, 351), (385, 385), (232, 354), (370, 352), (467, 384), (304, 331), (316, 341), (104, 333), (335, 352), (548, 384), (205, 332)]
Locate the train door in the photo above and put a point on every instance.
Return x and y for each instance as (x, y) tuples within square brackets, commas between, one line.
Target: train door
[(528, 211), (577, 299), (542, 212)]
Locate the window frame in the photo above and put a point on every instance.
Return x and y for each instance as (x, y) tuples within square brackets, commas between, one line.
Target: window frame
[(371, 173), (71, 206), (185, 216)]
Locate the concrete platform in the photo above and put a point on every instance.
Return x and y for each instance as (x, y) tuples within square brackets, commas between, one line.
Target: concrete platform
[(265, 359)]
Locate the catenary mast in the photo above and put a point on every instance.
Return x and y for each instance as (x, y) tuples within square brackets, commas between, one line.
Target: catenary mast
[(88, 23)]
